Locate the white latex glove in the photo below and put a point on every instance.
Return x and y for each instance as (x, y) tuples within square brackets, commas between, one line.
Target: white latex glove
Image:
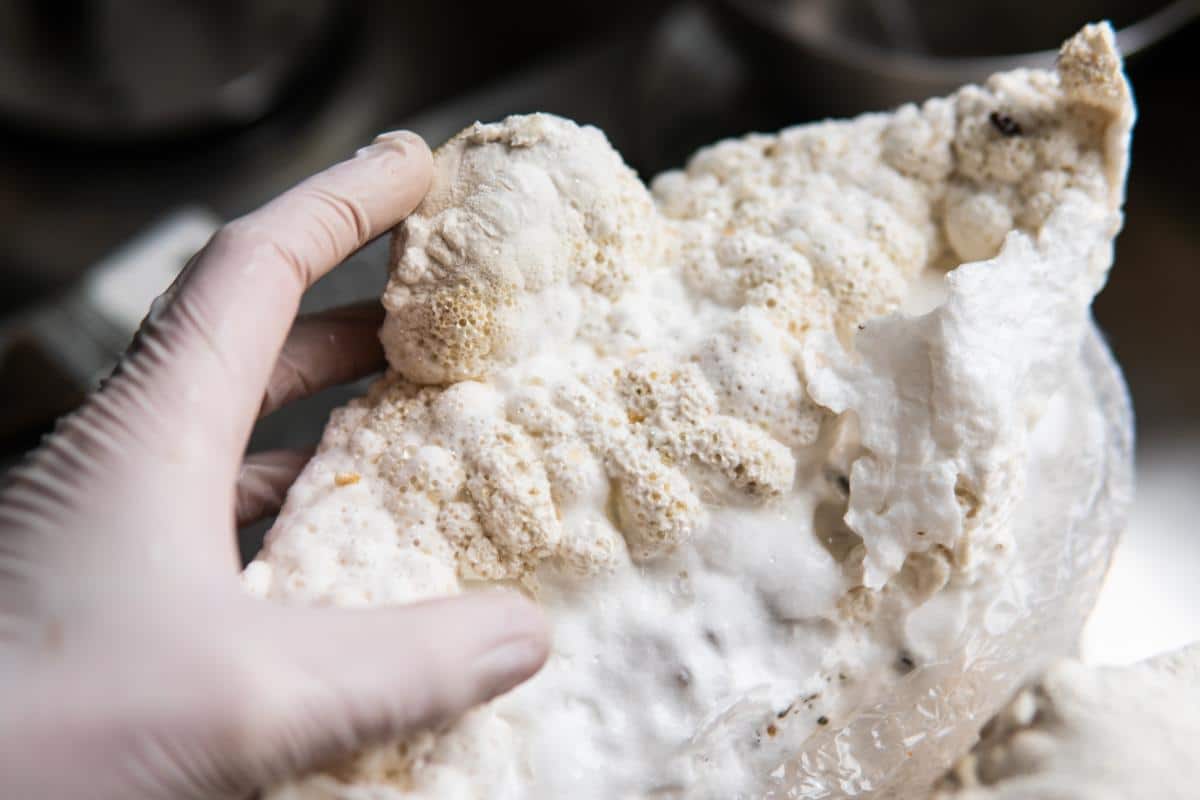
[(131, 663)]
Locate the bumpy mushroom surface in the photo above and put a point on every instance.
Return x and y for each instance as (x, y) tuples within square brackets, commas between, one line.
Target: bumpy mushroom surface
[(807, 450)]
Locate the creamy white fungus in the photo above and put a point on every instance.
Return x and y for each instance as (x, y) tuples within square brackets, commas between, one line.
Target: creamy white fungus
[(778, 443)]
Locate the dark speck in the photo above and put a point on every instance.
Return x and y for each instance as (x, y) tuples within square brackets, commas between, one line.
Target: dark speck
[(905, 664), (843, 483), (1005, 124), (822, 720)]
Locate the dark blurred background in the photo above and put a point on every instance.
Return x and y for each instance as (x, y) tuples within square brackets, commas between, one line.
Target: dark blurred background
[(130, 129)]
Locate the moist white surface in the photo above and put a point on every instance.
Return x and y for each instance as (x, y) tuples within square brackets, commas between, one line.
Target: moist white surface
[(1084, 733), (755, 440)]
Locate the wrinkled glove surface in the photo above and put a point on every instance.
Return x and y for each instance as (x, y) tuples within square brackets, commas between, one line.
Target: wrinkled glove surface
[(132, 664)]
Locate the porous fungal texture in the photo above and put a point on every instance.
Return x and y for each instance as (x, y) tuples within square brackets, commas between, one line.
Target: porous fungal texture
[(733, 431), (1081, 733)]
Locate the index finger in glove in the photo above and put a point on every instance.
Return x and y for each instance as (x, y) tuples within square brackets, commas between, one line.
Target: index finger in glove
[(222, 326), (325, 349)]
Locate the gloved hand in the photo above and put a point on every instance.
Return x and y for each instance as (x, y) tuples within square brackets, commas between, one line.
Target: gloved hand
[(131, 663)]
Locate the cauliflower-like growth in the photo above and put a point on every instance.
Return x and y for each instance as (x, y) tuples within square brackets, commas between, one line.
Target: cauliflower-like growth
[(1083, 733), (776, 464), (524, 221)]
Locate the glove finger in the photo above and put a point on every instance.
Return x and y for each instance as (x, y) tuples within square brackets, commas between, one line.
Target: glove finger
[(325, 349), (264, 480), (350, 679), (208, 346)]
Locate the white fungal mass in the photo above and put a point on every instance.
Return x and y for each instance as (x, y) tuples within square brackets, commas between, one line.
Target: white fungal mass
[(753, 437)]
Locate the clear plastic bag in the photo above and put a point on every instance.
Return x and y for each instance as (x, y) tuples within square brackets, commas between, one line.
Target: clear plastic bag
[(1077, 498)]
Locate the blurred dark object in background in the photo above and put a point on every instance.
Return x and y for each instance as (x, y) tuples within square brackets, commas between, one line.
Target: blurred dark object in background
[(120, 70), (847, 56)]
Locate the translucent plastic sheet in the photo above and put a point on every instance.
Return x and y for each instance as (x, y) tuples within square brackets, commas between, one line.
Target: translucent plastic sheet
[(1078, 494)]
